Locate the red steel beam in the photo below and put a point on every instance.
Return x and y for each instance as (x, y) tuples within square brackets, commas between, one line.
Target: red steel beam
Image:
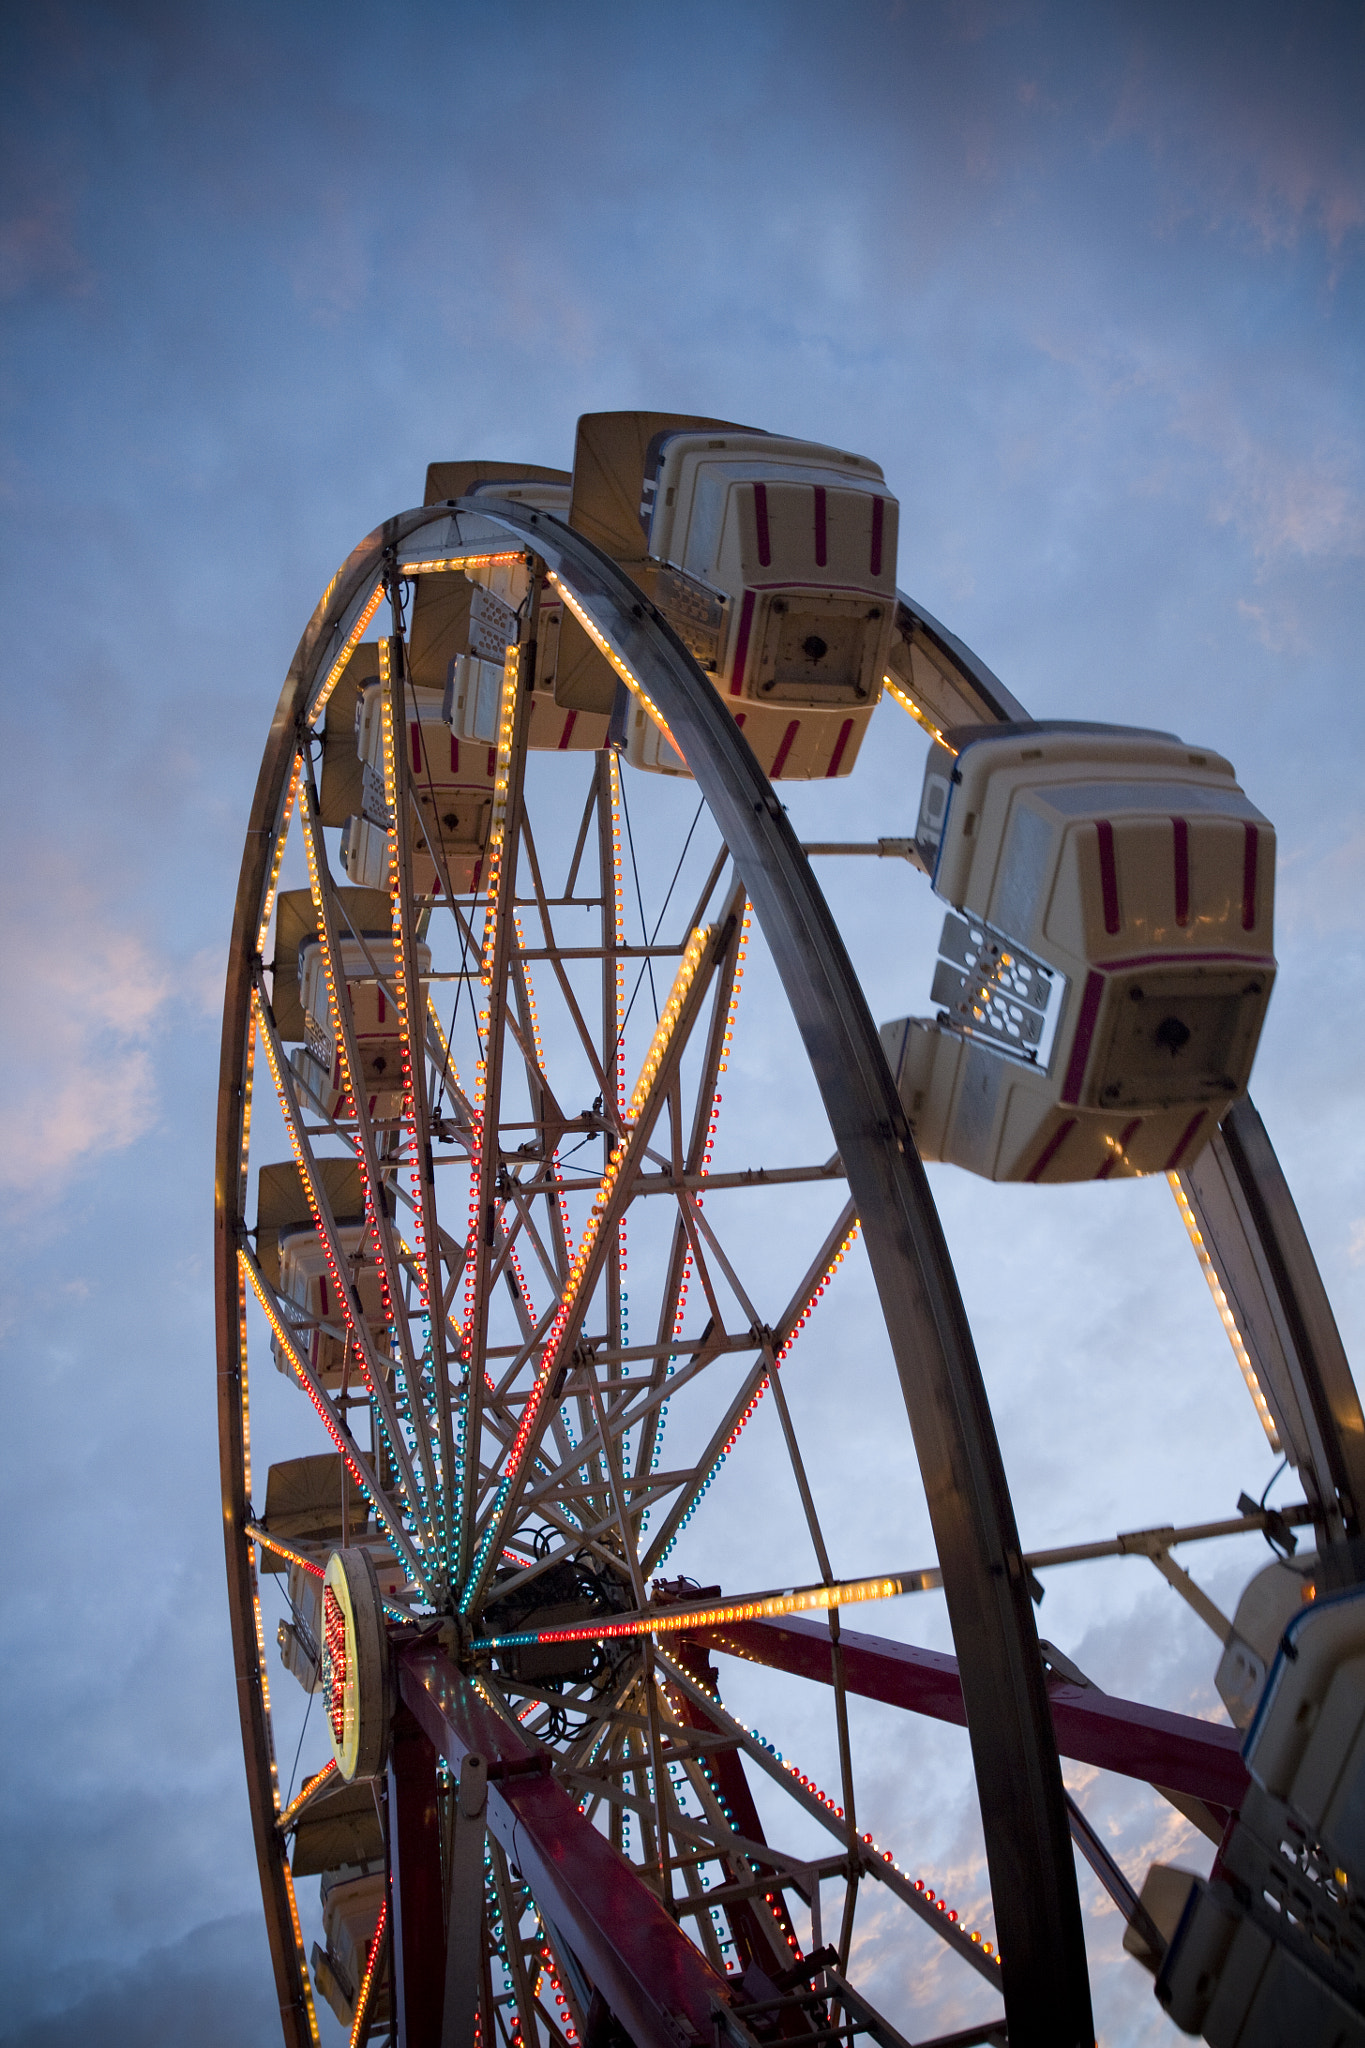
[(419, 1930), (1092, 1727), (660, 1988)]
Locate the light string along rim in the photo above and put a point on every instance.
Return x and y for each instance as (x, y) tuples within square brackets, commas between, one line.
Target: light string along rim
[(604, 646), (348, 647), (1225, 1311)]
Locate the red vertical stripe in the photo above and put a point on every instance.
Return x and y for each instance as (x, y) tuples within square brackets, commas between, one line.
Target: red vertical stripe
[(1051, 1149), (454, 755), (1085, 1031), (492, 762), (740, 717), (1249, 856), (416, 747), (821, 547), (379, 993), (1191, 1127), (878, 518), (837, 756), (567, 733), (1109, 875), (746, 620), (1125, 1136), (1181, 830), (765, 553), (788, 736), (322, 1295)]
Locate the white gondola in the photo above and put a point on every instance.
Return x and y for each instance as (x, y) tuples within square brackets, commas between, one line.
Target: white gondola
[(462, 626), (452, 771), (1270, 1949), (1268, 1604), (295, 1263), (781, 555), (773, 560), (1306, 1743), (308, 1286), (311, 1501), (573, 687), (369, 965), (1107, 961), (300, 1638), (351, 1906)]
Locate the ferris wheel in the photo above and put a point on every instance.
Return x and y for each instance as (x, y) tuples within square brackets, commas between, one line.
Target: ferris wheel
[(530, 1252)]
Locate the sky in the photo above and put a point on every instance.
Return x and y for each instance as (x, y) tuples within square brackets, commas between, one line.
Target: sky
[(1085, 280)]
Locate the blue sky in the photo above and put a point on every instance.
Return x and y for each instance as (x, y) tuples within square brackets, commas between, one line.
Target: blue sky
[(1086, 280)]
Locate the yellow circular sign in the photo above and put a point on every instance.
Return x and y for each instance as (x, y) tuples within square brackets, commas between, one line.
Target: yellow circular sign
[(355, 1664)]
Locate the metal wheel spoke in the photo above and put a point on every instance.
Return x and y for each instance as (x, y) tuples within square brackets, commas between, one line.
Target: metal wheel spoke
[(757, 1380)]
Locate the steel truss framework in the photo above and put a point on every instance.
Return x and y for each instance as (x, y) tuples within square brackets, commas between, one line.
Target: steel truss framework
[(576, 1845)]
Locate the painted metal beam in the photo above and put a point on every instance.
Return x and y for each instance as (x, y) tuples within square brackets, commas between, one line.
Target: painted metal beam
[(1197, 1758), (419, 1933), (662, 1990)]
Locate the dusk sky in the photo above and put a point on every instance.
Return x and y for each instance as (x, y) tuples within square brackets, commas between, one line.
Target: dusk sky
[(1085, 279)]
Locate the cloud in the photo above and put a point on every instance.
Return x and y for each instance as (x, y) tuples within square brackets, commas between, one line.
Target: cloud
[(1252, 114), (213, 1986), (1320, 889), (1277, 626), (81, 1006), (1286, 504), (37, 250)]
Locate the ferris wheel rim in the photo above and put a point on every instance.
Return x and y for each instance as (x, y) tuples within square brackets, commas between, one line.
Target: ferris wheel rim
[(318, 646), (323, 640)]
